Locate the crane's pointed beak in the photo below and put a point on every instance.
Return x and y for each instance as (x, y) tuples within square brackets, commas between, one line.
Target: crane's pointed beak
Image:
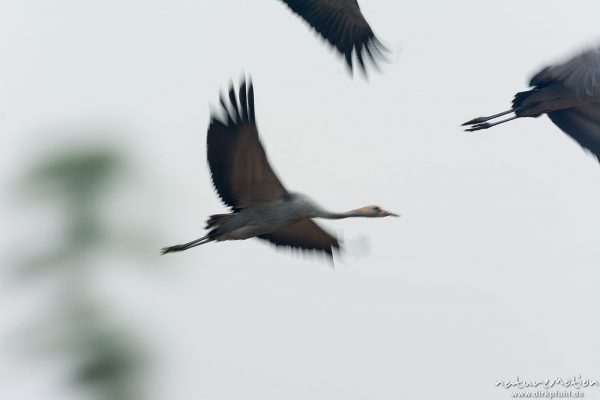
[(390, 214)]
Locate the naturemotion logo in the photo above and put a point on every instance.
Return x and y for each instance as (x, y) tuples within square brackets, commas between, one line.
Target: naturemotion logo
[(577, 382)]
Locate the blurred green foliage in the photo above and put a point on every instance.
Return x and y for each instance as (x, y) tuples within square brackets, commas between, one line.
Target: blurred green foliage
[(107, 363)]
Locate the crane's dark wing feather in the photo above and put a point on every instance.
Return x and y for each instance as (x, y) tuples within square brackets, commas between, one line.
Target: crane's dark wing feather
[(305, 235), (342, 24), (239, 166), (582, 124), (581, 74)]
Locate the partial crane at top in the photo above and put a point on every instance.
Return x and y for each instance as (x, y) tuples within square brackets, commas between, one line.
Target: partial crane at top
[(342, 24), (569, 93), (260, 204)]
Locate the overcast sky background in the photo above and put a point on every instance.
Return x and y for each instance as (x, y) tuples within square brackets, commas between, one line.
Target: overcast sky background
[(492, 271)]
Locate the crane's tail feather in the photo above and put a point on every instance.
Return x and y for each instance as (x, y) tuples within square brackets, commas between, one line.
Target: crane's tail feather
[(216, 220), (189, 245)]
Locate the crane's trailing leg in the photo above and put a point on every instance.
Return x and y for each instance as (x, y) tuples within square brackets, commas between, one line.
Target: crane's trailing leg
[(214, 222), (485, 125), (479, 120), (193, 243)]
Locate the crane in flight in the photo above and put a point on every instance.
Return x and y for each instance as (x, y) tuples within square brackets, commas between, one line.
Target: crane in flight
[(244, 180), (569, 93), (343, 25)]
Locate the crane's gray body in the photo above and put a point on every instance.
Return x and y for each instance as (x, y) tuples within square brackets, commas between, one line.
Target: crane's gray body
[(551, 98), (269, 217)]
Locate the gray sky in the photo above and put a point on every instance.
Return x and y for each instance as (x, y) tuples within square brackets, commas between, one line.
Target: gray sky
[(492, 272)]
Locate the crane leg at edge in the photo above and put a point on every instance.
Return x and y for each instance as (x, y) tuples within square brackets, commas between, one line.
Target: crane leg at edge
[(485, 125), (185, 246), (480, 120)]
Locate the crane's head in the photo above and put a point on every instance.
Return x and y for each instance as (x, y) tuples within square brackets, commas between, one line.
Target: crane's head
[(374, 212)]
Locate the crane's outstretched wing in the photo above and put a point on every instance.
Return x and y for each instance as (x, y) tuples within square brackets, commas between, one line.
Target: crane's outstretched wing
[(305, 235), (239, 167), (581, 74), (582, 124), (342, 24)]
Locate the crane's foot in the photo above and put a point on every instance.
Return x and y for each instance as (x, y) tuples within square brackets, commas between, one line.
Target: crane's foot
[(481, 122), (181, 247), (478, 127), (172, 249), (475, 121)]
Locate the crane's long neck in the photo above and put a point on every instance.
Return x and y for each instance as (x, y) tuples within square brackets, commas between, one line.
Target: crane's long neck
[(334, 215)]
